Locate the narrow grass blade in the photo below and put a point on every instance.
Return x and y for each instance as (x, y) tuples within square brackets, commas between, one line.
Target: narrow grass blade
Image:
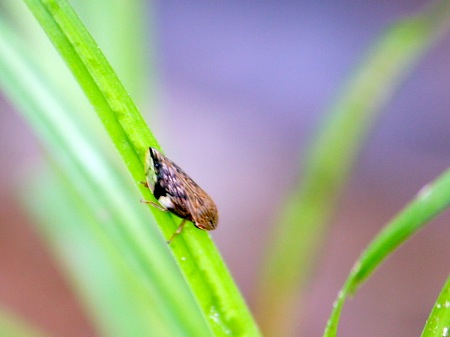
[(105, 281), (119, 27), (300, 229), (127, 239), (13, 326), (201, 264), (123, 31), (438, 324), (429, 202)]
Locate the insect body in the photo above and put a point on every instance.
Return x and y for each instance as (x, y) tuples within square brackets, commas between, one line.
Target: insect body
[(177, 193)]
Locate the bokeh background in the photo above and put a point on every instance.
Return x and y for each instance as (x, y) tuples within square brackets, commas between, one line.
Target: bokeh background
[(242, 87)]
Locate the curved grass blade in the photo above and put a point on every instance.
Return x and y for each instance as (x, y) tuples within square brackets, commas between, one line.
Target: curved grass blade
[(429, 202), (119, 27), (106, 282), (300, 229), (438, 324), (12, 326), (209, 280), (125, 236)]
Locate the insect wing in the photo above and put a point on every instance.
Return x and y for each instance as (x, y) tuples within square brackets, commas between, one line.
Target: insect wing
[(178, 193), (167, 184), (198, 203)]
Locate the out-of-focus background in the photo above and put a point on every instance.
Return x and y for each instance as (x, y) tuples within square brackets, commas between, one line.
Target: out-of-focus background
[(242, 88)]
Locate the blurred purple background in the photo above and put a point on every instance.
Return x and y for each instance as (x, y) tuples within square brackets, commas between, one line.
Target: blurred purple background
[(243, 87)]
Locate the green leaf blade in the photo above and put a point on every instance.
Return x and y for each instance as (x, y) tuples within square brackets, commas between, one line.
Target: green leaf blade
[(13, 326), (429, 202), (301, 227), (438, 323), (121, 225), (220, 301)]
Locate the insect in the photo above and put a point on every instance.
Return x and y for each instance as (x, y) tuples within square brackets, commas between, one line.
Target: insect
[(177, 193)]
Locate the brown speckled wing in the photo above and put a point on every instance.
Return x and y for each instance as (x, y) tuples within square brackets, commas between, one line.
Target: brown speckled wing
[(188, 200)]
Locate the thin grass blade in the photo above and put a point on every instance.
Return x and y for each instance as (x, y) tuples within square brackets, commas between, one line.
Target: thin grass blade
[(431, 200), (438, 324), (13, 326), (300, 229), (105, 282), (108, 196), (220, 301)]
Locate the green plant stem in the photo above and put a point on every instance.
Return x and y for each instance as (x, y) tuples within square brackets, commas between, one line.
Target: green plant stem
[(299, 231), (438, 324), (102, 274), (429, 202), (109, 213), (12, 326), (200, 262)]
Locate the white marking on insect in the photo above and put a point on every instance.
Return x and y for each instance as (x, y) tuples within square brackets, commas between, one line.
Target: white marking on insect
[(166, 202)]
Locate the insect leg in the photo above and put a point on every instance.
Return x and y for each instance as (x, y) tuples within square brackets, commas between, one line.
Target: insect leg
[(178, 231), (154, 205)]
